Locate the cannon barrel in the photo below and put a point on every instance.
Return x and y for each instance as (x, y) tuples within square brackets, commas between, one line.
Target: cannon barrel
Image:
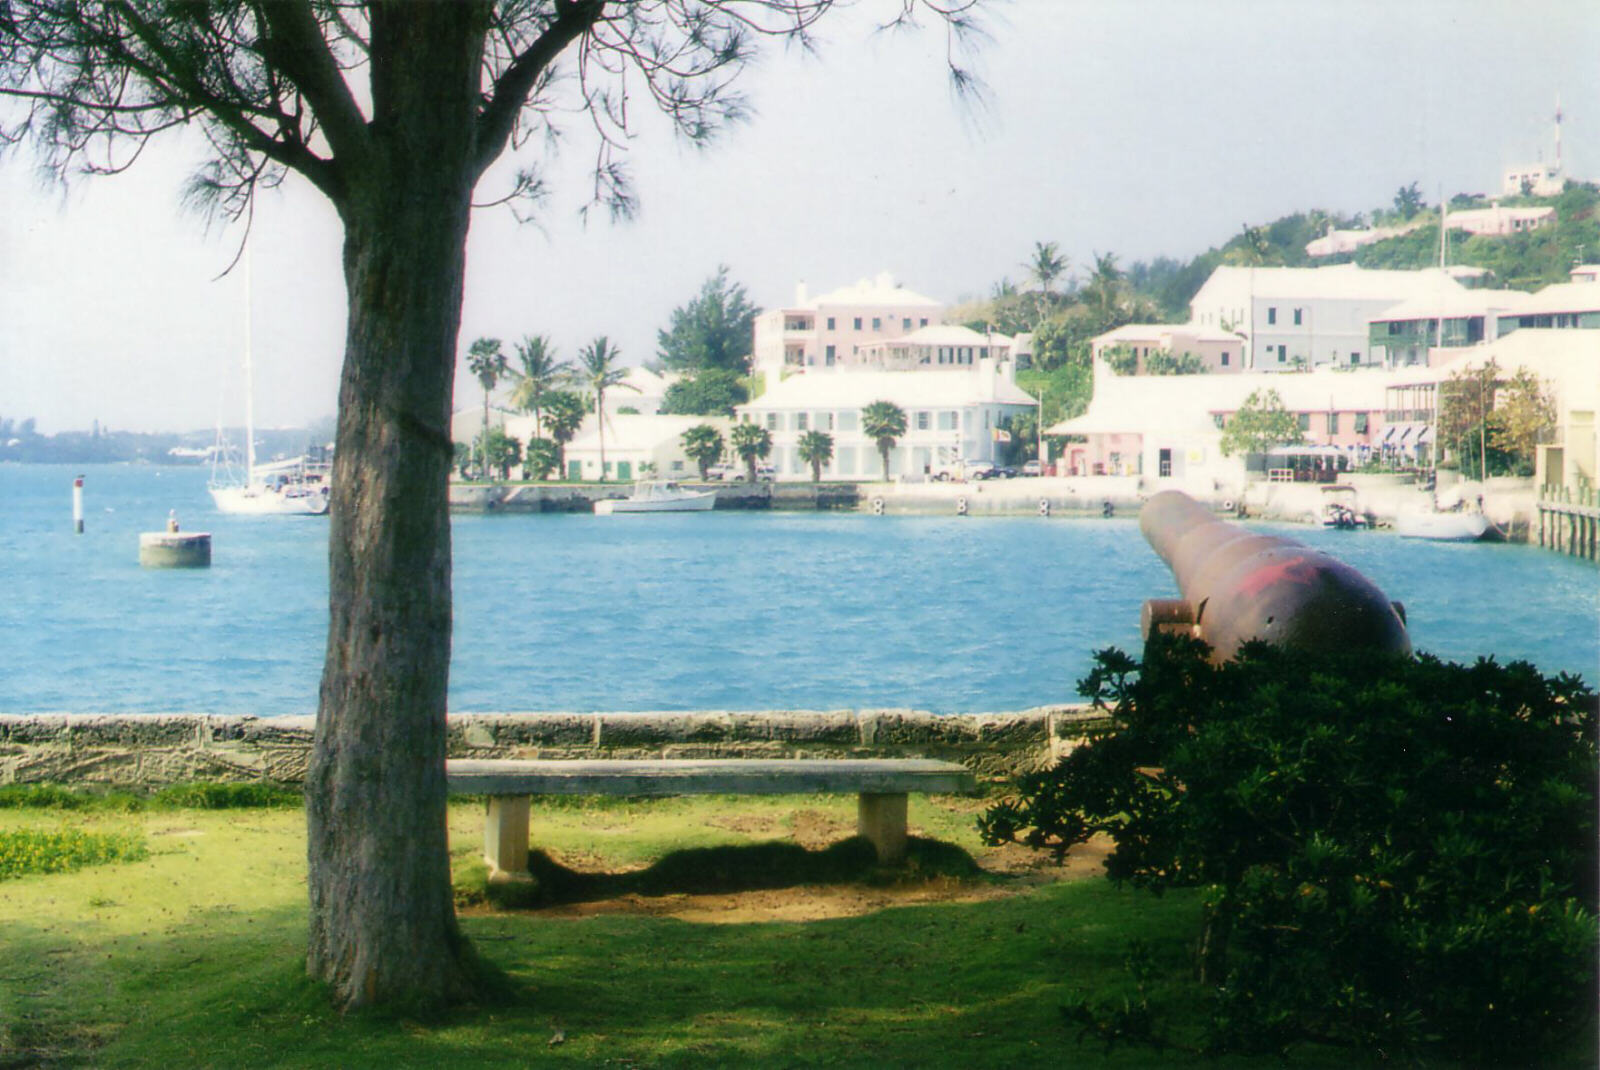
[(1239, 585)]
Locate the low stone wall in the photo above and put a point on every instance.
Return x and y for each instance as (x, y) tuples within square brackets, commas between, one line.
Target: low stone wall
[(152, 750)]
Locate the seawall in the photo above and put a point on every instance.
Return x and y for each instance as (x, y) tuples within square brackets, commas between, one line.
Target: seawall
[(153, 750)]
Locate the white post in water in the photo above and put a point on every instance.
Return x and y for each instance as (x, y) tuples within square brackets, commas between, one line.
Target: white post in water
[(77, 505)]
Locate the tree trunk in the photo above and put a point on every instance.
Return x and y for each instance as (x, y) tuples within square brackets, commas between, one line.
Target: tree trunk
[(382, 925)]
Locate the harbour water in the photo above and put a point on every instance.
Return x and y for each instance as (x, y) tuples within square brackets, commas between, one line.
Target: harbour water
[(739, 611)]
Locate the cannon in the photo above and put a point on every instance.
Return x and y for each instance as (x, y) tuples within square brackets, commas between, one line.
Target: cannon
[(1239, 585)]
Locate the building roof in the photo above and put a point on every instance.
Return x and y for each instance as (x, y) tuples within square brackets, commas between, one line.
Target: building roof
[(1186, 403), (923, 388), (637, 431), (1561, 297), (1347, 282), (945, 334), (1155, 332), (1455, 304), (880, 290), (1568, 358)]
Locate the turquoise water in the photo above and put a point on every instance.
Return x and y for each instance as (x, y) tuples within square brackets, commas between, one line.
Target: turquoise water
[(742, 611)]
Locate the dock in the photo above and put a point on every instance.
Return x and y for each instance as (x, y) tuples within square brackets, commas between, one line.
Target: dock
[(1569, 522)]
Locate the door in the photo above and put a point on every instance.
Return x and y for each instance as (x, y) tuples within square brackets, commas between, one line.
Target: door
[(575, 471), (1166, 463), (624, 471)]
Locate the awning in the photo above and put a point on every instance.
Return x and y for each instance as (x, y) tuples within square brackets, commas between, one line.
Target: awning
[(1388, 434), (1426, 435)]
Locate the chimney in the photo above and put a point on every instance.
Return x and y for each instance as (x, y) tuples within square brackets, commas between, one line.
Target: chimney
[(800, 294)]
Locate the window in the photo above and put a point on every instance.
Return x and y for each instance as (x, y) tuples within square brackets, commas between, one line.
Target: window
[(677, 466), (1355, 358), (924, 322), (801, 419), (825, 421), (849, 420), (877, 323), (922, 421), (1218, 419), (1224, 358), (1272, 315), (1305, 421), (858, 323), (905, 323), (830, 323), (1297, 317), (947, 420), (1282, 353), (1361, 423), (1333, 423), (772, 421)]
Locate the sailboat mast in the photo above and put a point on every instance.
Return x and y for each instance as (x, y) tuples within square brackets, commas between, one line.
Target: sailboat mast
[(249, 379)]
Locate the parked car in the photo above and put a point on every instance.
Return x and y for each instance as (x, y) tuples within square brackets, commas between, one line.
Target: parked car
[(1032, 468), (1006, 471), (739, 473), (981, 470)]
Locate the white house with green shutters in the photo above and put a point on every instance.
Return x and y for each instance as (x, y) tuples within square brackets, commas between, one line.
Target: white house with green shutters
[(954, 412)]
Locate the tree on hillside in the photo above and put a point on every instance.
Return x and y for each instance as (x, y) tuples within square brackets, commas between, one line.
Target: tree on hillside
[(1104, 290), (709, 392), (703, 444), (563, 415), (487, 364), (1408, 201), (713, 331), (751, 442), (883, 422), (599, 371), (1260, 423), (816, 449), (394, 112), (540, 373)]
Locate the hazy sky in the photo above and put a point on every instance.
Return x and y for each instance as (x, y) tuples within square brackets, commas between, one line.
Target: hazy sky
[(1143, 128)]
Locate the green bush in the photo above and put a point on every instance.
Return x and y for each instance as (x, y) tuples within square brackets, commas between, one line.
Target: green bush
[(28, 851), (56, 797), (1398, 854), (247, 796)]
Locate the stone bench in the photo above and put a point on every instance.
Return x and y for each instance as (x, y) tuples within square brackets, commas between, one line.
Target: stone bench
[(881, 784)]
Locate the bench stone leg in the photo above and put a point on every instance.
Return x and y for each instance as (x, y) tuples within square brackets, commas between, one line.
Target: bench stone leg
[(882, 819), (505, 837)]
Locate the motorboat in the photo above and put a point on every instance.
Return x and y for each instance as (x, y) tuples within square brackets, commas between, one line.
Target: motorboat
[(658, 496), (1464, 526), (1339, 508)]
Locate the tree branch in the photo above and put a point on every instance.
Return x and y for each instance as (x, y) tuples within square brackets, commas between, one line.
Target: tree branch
[(294, 44), (511, 89)]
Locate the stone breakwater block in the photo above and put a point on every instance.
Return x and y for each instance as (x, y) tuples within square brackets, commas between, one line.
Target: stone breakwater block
[(480, 730), (657, 729), (167, 549)]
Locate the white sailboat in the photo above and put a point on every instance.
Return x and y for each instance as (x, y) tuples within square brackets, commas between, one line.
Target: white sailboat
[(297, 487)]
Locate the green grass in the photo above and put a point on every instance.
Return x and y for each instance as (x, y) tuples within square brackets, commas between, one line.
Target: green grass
[(194, 955)]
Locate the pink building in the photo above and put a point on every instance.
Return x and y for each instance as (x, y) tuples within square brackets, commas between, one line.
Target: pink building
[(1218, 350), (829, 331)]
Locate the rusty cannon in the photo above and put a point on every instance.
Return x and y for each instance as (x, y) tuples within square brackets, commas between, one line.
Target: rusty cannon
[(1240, 585)]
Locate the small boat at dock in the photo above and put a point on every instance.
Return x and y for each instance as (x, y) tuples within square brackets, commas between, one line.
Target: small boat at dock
[(1442, 527), (658, 496)]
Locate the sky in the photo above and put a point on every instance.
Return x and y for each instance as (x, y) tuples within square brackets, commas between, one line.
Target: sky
[(1139, 127)]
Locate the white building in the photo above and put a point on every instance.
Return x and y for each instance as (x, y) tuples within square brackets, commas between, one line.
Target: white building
[(829, 331), (1308, 317), (633, 442), (1336, 242), (1496, 221), (951, 415), (1433, 328), (934, 347)]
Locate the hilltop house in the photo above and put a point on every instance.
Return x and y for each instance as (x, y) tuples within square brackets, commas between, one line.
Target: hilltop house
[(1218, 350), (1497, 222), (952, 414), (830, 330), (1307, 317)]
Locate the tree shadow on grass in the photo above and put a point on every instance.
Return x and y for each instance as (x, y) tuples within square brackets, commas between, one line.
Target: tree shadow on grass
[(723, 869)]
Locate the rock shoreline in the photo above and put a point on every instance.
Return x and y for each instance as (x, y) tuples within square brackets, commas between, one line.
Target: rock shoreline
[(149, 751)]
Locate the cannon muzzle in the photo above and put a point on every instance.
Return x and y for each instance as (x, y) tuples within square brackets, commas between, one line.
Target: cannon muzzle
[(1238, 585)]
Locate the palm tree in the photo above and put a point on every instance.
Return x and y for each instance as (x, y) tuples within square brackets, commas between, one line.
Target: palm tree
[(750, 442), (564, 410), (1104, 291), (1047, 265), (703, 444), (488, 364), (541, 373), (883, 422), (599, 373), (816, 449)]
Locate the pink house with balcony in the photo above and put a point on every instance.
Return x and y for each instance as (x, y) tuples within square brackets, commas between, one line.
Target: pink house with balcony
[(829, 331)]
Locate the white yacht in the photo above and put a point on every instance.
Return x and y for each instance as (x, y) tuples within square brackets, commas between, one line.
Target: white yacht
[(658, 496)]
